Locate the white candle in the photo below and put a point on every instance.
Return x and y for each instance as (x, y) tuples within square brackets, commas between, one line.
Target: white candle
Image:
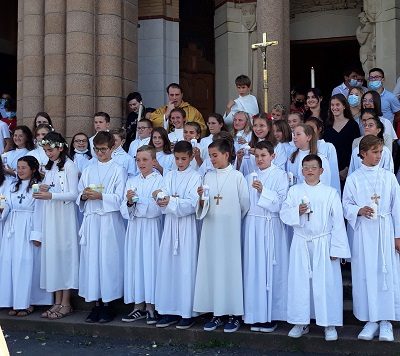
[(161, 195), (312, 77), (374, 207), (35, 188), (206, 192), (2, 201), (306, 201), (193, 141), (254, 176)]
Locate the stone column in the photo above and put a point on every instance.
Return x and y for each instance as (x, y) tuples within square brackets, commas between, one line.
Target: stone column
[(158, 49), (234, 26), (30, 59), (387, 40), (54, 62), (80, 65), (109, 59), (273, 18), (75, 58)]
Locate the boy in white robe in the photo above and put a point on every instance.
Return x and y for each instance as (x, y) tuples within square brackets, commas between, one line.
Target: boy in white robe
[(101, 122), (144, 129), (371, 202), (119, 155), (266, 245), (142, 237), (219, 283), (102, 233), (245, 102), (177, 262), (315, 288)]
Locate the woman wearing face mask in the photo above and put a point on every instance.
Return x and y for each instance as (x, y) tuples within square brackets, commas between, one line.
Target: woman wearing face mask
[(354, 100), (10, 115), (298, 101), (372, 100)]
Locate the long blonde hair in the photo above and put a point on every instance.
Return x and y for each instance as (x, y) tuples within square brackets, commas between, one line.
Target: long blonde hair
[(309, 131)]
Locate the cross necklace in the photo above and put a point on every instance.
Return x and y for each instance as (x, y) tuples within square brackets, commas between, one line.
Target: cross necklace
[(375, 197), (218, 197), (178, 184)]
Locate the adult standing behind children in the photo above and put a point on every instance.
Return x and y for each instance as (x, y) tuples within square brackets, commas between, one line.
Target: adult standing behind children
[(161, 117), (245, 102)]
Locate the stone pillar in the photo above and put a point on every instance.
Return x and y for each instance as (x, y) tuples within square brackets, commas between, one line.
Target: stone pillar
[(54, 62), (158, 49), (75, 58), (80, 65), (109, 59), (273, 18), (234, 26), (30, 59), (387, 40)]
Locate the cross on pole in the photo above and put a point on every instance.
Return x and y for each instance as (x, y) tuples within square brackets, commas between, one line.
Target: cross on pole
[(263, 47)]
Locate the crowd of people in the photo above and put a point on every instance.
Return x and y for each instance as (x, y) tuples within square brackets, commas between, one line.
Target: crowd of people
[(246, 216)]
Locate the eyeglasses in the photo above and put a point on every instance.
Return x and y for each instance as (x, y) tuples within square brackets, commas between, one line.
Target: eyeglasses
[(310, 168), (80, 141), (369, 101), (139, 128), (102, 149), (369, 126), (376, 77)]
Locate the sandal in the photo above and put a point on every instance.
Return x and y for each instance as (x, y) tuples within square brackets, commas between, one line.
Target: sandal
[(62, 312), (53, 309), (25, 312), (12, 312)]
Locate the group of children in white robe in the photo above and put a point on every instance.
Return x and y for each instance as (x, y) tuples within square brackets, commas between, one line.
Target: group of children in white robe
[(239, 247)]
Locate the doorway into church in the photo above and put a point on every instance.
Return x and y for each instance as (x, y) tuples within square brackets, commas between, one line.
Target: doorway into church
[(8, 47), (196, 49), (329, 57)]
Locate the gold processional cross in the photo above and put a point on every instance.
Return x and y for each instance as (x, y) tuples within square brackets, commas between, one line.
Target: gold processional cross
[(263, 47)]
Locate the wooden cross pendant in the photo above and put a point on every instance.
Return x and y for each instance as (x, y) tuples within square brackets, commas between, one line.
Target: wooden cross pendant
[(376, 198), (218, 198)]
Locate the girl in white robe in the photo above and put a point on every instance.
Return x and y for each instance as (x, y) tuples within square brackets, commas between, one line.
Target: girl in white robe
[(80, 151), (305, 140), (40, 131), (177, 262), (101, 190), (241, 129), (219, 282), (20, 246), (142, 239), (262, 130), (315, 212), (22, 144), (371, 202), (266, 245), (164, 158), (59, 271)]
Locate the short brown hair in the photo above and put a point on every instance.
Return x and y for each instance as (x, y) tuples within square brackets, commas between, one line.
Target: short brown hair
[(147, 148), (368, 142), (243, 80)]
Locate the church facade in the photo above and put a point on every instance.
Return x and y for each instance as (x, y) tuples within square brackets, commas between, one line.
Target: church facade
[(76, 57)]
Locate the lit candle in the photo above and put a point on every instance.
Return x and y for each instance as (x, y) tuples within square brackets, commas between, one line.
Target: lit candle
[(312, 77)]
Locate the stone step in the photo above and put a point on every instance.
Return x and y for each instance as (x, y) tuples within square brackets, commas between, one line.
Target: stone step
[(139, 331)]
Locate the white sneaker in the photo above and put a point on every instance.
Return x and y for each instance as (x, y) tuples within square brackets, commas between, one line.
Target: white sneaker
[(370, 330), (330, 333), (298, 331), (385, 331)]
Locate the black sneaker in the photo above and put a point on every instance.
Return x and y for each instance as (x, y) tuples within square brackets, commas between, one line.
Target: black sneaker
[(134, 315), (185, 323), (152, 319), (167, 320), (268, 327), (93, 316), (106, 314)]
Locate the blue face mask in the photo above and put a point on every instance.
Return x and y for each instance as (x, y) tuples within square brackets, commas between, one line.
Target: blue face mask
[(353, 82), (359, 84), (10, 114), (374, 84), (353, 100)]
